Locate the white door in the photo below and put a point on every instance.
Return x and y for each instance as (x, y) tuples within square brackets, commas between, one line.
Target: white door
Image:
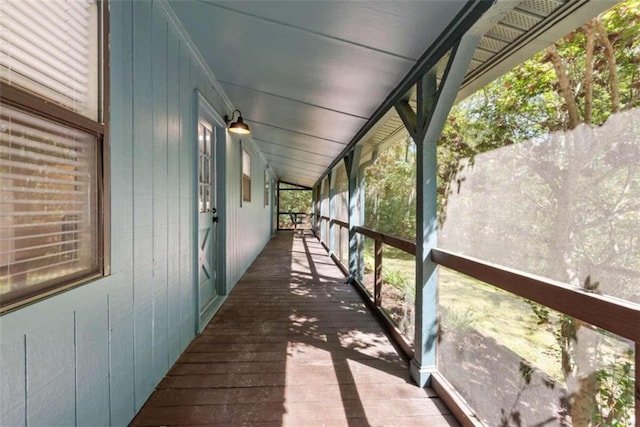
[(207, 222)]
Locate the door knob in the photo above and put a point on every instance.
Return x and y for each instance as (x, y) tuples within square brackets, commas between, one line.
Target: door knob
[(215, 219)]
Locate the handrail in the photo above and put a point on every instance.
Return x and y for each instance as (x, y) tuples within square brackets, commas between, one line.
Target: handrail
[(397, 242), (297, 218), (294, 213), (613, 314), (340, 223)]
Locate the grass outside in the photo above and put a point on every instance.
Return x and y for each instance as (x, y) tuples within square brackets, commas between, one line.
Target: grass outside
[(468, 303)]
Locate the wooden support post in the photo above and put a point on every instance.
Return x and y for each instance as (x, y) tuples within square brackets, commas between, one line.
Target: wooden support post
[(319, 209), (353, 165), (278, 206), (322, 224), (435, 102), (377, 280), (331, 241), (314, 198)]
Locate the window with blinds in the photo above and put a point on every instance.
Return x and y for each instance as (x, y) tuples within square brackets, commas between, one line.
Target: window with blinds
[(246, 176), (50, 48), (267, 187), (51, 147)]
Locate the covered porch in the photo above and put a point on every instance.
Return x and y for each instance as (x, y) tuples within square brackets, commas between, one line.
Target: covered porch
[(294, 344), (506, 292)]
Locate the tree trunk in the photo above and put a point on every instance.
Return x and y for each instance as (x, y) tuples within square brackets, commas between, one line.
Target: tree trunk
[(578, 344), (588, 73), (611, 62), (565, 86), (583, 402)]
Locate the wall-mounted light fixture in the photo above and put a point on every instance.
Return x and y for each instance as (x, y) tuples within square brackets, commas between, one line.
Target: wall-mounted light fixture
[(238, 126)]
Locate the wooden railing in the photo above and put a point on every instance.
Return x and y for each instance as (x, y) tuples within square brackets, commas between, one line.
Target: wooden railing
[(612, 314), (323, 220), (328, 223), (380, 238), (615, 315), (340, 223), (375, 300), (296, 218)]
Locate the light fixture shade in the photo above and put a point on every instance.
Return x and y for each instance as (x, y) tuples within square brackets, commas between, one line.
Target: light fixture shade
[(239, 127)]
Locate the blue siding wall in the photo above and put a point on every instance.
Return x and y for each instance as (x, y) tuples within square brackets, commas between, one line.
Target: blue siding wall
[(93, 355)]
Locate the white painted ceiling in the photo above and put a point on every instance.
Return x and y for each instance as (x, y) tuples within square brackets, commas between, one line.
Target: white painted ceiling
[(307, 75)]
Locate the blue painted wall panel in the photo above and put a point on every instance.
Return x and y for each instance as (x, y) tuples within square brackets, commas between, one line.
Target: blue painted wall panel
[(121, 339), (143, 201), (173, 189), (92, 361), (51, 372), (187, 298), (12, 382), (120, 283), (160, 86), (93, 355)]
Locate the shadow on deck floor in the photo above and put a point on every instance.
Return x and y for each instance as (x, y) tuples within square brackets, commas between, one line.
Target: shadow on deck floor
[(292, 345)]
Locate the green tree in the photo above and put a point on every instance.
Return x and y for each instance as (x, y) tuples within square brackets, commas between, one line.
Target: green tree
[(293, 200), (390, 184)]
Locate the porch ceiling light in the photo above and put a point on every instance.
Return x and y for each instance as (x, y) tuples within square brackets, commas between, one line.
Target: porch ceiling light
[(238, 126)]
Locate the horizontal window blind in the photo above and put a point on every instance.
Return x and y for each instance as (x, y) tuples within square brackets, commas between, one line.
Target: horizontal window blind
[(246, 176), (50, 48), (48, 202)]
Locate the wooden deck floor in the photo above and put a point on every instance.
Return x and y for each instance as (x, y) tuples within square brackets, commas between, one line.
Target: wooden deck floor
[(292, 345)]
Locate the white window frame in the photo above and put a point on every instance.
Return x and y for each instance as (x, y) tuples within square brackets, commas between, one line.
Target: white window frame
[(245, 174)]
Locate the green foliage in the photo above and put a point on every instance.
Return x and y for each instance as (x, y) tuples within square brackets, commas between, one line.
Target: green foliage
[(616, 392), (390, 186), (458, 321), (395, 278), (542, 313), (369, 263), (295, 200), (527, 103)]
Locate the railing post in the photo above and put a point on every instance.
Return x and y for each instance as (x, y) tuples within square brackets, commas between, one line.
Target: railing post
[(377, 277)]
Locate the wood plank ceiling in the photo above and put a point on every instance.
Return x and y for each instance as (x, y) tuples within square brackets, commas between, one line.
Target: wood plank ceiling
[(308, 75)]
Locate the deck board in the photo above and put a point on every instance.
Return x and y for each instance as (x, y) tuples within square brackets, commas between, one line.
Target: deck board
[(292, 345)]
